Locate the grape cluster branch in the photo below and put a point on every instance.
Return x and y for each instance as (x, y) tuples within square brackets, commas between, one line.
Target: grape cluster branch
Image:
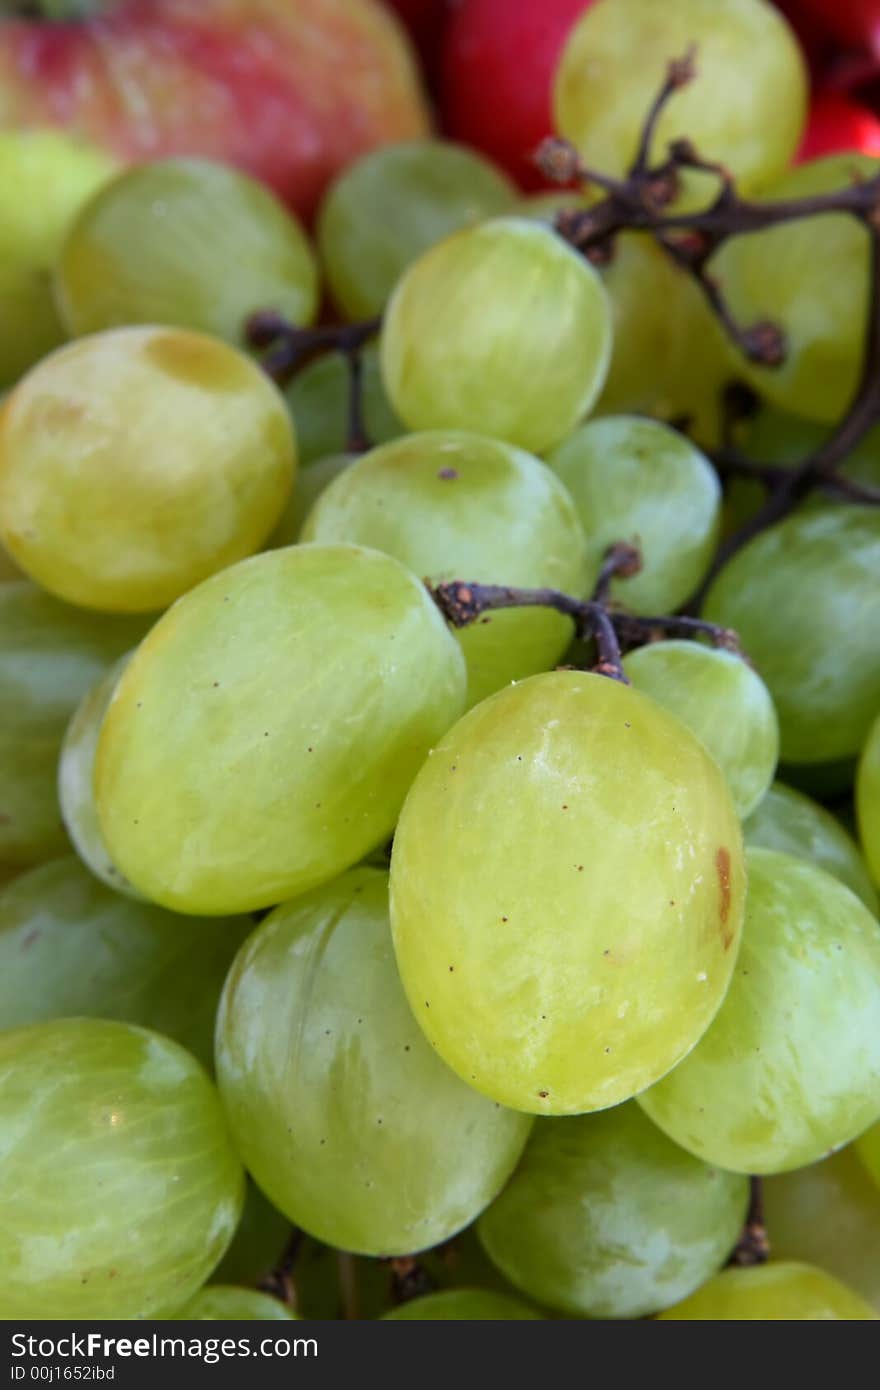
[(753, 1246)]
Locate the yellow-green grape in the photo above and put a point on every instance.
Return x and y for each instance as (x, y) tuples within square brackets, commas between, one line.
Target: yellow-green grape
[(226, 1303), (259, 1243), (811, 278), (638, 480), (721, 700), (69, 947), (462, 1305), (318, 401), (868, 799), (606, 1218), (348, 1121), (744, 108), (50, 654), (452, 505), (189, 243), (828, 1214), (802, 596), (76, 782), (786, 1291), (790, 1068), (135, 463), (567, 892), (789, 821), (502, 329), (310, 483), (387, 208), (121, 1189), (868, 1149), (264, 735), (45, 177)]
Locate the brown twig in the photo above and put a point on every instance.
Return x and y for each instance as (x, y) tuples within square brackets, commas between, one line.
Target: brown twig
[(280, 1281), (290, 347), (753, 1247)]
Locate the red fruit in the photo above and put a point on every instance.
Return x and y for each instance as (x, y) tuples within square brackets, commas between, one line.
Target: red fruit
[(852, 22), (425, 20), (837, 125), (498, 62), (289, 90)]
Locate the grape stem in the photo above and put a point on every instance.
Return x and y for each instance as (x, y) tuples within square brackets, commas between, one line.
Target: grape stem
[(280, 1282), (753, 1246), (409, 1279)]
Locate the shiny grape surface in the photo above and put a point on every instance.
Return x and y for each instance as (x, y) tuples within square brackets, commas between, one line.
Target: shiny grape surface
[(501, 328), (795, 824), (786, 1291), (147, 1191), (606, 1218), (790, 1067), (638, 480), (134, 463), (462, 1305), (453, 505), (188, 243), (721, 700), (868, 799), (347, 1119), (226, 1303), (562, 942), (282, 707), (393, 204)]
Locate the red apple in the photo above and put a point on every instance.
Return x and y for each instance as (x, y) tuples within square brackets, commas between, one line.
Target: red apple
[(498, 62), (289, 90), (837, 125)]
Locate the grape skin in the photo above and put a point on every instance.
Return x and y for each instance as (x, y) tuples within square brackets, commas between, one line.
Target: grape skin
[(462, 1305), (311, 482), (793, 823), (868, 799), (868, 1148), (226, 1303), (786, 1291)]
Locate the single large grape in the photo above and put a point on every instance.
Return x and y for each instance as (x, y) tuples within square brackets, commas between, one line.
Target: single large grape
[(136, 462), (318, 400), (264, 735), (868, 799), (638, 480), (810, 277), (189, 243), (802, 596), (790, 1068), (226, 1303), (789, 821), (723, 701), (452, 505), (349, 1122), (501, 328), (745, 108), (69, 947), (45, 176), (393, 204), (786, 1291), (567, 893), (121, 1188), (462, 1305), (50, 654), (828, 1214), (606, 1218)]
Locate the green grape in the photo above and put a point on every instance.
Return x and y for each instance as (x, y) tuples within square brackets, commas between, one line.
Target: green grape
[(49, 656), (69, 947), (137, 462), (76, 782), (501, 328), (451, 505), (787, 820), (310, 484), (120, 1187), (388, 207), (188, 243), (868, 1148), (868, 798), (721, 700), (345, 1117), (264, 735), (226, 1303), (778, 1292), (790, 1067), (828, 1214), (606, 1218), (638, 480), (259, 1242), (745, 108), (567, 892), (810, 277), (462, 1305), (318, 400), (802, 596), (45, 177)]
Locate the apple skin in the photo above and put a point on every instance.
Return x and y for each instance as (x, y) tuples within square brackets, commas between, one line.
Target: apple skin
[(837, 125), (291, 91)]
